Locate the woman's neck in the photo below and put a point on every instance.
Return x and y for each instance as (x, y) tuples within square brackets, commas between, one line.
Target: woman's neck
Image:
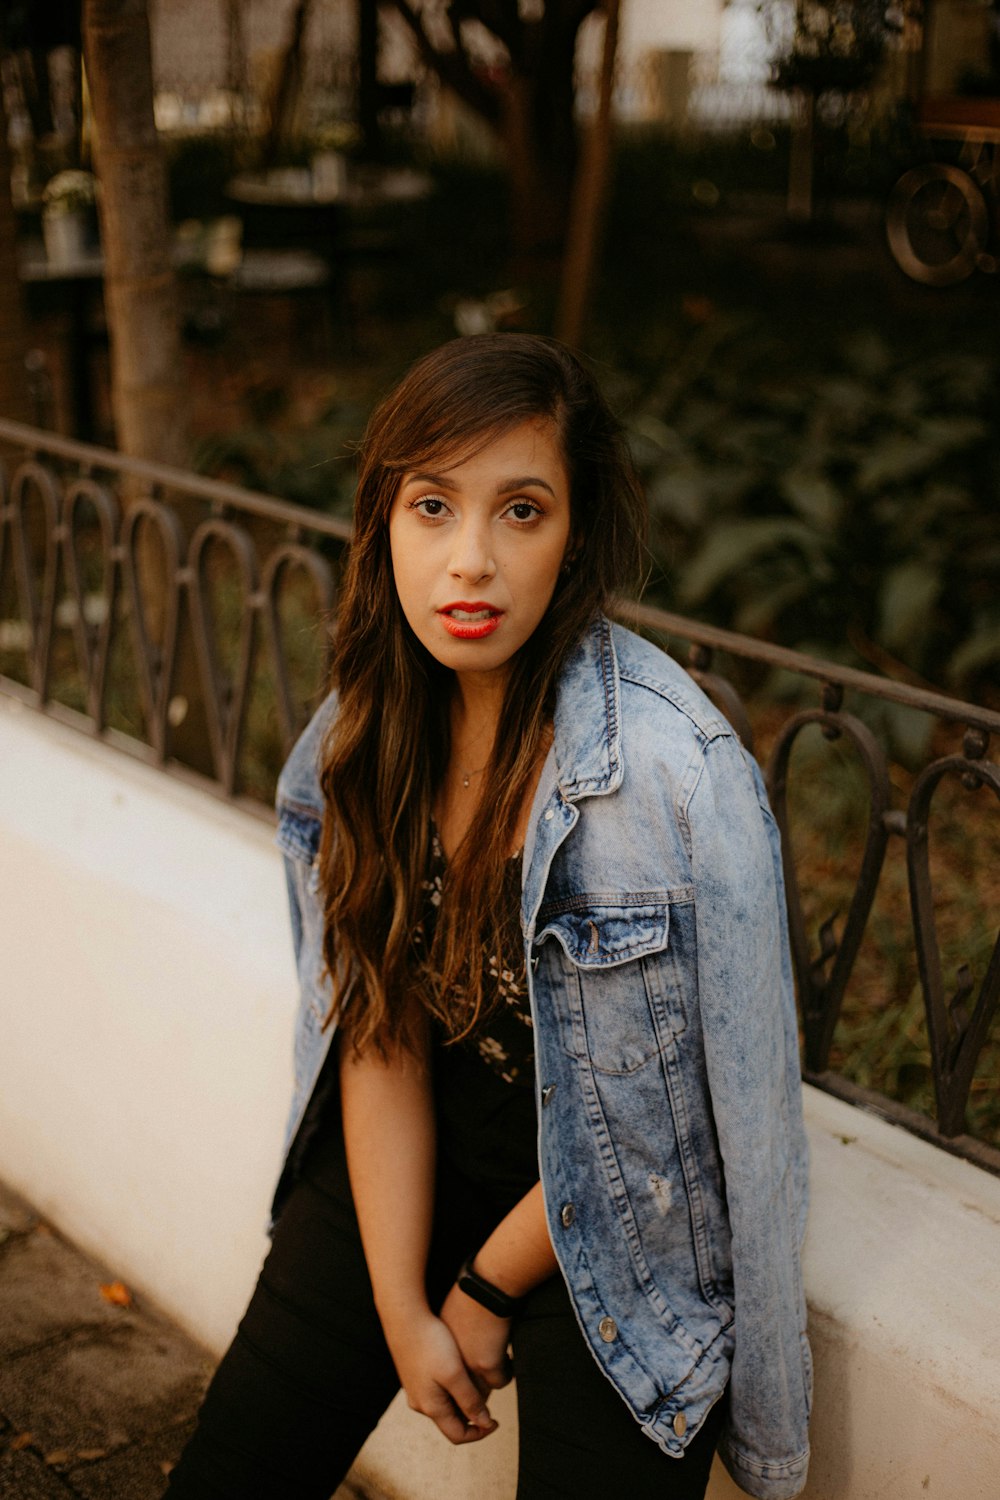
[(475, 714)]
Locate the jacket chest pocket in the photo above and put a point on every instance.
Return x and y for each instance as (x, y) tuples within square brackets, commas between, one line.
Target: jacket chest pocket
[(613, 984), (298, 836)]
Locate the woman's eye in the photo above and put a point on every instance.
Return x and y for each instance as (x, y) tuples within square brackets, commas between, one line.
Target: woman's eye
[(430, 506), (524, 510)]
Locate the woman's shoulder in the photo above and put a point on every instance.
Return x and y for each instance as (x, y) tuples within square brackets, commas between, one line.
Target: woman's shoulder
[(298, 783), (658, 692)]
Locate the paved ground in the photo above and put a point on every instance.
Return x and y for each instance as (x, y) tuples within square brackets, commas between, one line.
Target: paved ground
[(96, 1398)]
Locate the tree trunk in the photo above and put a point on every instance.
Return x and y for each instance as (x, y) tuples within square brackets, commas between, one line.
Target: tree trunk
[(287, 86), (800, 166), (147, 372), (531, 111), (539, 192), (15, 403), (368, 93), (148, 385), (539, 135), (589, 195)]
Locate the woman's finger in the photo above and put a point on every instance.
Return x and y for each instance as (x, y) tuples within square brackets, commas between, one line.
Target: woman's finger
[(500, 1375), (458, 1425), (470, 1403)]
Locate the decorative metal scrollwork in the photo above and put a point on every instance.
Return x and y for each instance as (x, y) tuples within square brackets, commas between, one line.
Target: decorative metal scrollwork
[(278, 568), (60, 520), (225, 695), (36, 583), (154, 615), (92, 627), (957, 1036), (822, 979), (138, 572)]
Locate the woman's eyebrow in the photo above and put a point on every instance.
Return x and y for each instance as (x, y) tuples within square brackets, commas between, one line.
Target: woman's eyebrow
[(421, 478), (525, 482)]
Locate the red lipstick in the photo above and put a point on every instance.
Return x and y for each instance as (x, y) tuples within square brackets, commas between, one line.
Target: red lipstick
[(470, 622)]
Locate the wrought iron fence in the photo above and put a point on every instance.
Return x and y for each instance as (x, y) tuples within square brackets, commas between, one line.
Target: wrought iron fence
[(164, 612)]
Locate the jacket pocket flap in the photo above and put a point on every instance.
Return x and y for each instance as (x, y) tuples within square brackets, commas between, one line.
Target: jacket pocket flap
[(598, 931), (298, 833)]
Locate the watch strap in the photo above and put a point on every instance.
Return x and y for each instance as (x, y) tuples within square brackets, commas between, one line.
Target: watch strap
[(498, 1302)]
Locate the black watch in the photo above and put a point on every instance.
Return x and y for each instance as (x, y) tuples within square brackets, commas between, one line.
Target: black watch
[(484, 1292)]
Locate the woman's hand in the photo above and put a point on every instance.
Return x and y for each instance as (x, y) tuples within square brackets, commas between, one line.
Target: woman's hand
[(482, 1339), (436, 1380)]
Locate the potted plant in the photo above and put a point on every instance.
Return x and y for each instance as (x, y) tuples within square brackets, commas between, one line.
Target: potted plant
[(67, 215)]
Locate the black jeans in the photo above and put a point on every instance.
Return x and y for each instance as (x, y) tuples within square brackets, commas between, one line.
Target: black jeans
[(308, 1374)]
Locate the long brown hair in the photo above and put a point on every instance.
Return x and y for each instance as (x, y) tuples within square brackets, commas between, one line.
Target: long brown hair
[(389, 743)]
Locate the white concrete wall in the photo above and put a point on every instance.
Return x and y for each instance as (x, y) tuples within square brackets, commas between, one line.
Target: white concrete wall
[(146, 995)]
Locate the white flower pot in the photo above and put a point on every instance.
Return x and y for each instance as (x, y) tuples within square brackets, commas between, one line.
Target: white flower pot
[(65, 237)]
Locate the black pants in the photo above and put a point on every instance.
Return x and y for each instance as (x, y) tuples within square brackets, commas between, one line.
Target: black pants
[(308, 1374)]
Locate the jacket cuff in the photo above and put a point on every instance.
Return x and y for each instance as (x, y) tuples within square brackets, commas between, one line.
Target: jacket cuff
[(766, 1481)]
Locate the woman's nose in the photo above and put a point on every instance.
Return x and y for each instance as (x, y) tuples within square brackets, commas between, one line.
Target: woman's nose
[(472, 555)]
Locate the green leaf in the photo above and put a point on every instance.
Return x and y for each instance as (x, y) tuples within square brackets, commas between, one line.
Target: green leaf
[(897, 457), (813, 496), (908, 731), (868, 353), (650, 427), (680, 493), (760, 611), (981, 648), (948, 433), (909, 592), (733, 545)]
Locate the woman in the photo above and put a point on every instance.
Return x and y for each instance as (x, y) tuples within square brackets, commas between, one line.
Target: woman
[(528, 862)]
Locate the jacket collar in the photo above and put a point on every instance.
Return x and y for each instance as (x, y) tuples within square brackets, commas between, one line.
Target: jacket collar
[(588, 717)]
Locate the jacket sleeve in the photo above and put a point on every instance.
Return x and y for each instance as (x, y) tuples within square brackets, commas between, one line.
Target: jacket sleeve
[(751, 1053)]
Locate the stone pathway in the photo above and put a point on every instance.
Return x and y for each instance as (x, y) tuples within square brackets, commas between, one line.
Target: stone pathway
[(96, 1399)]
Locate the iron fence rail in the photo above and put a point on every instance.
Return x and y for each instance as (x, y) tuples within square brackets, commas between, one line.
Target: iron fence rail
[(98, 546)]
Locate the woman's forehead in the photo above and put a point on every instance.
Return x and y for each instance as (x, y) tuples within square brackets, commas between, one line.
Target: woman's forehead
[(450, 452)]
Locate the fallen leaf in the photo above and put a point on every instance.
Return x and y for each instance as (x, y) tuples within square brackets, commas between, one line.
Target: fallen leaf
[(117, 1293), (89, 1454), (58, 1456), (23, 1440), (167, 1466)]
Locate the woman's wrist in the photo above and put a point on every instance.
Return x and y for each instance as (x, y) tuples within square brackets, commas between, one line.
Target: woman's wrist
[(488, 1293), (518, 1255), (401, 1314)]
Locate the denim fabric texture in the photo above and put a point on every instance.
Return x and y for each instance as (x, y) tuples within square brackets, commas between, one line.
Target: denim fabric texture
[(671, 1146)]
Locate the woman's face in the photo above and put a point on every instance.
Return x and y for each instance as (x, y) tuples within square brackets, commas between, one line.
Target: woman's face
[(477, 547)]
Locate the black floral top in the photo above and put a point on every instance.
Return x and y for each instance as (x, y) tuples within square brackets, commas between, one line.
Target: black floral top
[(485, 1085), (504, 1041)]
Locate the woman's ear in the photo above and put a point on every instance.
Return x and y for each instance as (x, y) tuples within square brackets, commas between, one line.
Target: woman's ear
[(570, 555)]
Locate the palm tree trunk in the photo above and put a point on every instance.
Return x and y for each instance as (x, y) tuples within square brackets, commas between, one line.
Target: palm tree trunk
[(147, 373)]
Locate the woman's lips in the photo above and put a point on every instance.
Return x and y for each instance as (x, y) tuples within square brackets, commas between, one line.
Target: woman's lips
[(470, 622)]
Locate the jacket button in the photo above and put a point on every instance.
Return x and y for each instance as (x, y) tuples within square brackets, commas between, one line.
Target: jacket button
[(608, 1329), (568, 1215), (680, 1424), (547, 1093), (549, 815)]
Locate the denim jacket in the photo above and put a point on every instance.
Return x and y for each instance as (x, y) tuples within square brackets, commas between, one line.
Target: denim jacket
[(671, 1145)]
